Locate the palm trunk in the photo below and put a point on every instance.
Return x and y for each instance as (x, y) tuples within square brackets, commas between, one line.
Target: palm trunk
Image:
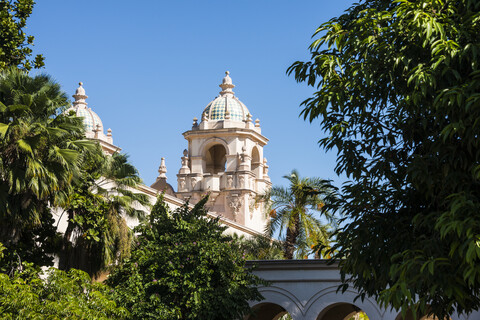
[(291, 239)]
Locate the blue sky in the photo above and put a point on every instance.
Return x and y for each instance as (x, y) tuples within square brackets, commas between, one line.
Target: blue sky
[(150, 67)]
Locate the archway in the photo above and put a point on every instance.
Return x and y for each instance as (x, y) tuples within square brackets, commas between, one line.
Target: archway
[(256, 162), (342, 311), (268, 311), (409, 316), (215, 159)]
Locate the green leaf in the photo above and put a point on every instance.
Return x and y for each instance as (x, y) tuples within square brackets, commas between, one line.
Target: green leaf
[(3, 129), (22, 144)]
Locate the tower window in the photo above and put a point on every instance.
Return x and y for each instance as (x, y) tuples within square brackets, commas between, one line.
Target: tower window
[(256, 162), (215, 159)]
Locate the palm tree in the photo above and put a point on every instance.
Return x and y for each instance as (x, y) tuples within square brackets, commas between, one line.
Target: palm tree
[(40, 154), (293, 213), (97, 234), (259, 247)]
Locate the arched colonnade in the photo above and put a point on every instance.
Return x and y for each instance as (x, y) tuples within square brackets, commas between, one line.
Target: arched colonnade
[(307, 290)]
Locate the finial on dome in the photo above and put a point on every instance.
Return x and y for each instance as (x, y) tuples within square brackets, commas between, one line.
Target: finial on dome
[(80, 96), (162, 169), (204, 117), (227, 84)]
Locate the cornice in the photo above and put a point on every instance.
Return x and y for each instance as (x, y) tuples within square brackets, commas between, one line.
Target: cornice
[(225, 132)]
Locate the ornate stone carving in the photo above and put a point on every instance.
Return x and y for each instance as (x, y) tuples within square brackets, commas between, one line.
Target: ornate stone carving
[(265, 169), (193, 182), (244, 160), (181, 184), (242, 182), (235, 203), (243, 155), (212, 198), (252, 204), (184, 169), (229, 182)]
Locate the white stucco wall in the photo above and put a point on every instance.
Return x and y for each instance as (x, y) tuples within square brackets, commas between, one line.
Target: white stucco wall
[(305, 288)]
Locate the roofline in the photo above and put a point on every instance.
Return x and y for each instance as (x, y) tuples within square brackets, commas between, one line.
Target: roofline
[(174, 200), (155, 193), (107, 145), (226, 132), (303, 264)]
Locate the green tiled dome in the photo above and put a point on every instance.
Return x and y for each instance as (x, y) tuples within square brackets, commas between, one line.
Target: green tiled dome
[(226, 101), (90, 119), (215, 110)]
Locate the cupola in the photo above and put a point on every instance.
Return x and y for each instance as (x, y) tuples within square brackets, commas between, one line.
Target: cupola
[(91, 120), (226, 106)]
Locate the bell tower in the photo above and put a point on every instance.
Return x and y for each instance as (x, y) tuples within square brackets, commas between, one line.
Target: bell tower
[(225, 158)]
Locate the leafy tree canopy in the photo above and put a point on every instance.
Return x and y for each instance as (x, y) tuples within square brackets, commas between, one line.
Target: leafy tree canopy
[(97, 234), (15, 45), (60, 295), (398, 95), (260, 247), (41, 149), (183, 267)]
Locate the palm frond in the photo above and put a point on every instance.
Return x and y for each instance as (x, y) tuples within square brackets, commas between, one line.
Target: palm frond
[(299, 208)]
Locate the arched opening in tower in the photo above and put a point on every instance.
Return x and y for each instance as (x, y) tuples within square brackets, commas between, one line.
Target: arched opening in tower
[(215, 159), (256, 162)]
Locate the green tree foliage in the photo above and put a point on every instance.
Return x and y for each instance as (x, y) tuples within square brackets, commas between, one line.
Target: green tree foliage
[(97, 234), (15, 45), (60, 295), (285, 317), (260, 247), (399, 98), (183, 267), (40, 153), (359, 316), (293, 213)]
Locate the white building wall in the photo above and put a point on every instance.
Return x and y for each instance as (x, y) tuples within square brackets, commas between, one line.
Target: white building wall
[(305, 288)]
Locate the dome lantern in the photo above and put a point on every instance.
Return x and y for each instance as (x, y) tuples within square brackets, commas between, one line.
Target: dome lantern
[(227, 85), (80, 96), (92, 122)]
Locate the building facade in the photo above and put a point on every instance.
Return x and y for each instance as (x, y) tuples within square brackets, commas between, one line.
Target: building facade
[(308, 290), (224, 159)]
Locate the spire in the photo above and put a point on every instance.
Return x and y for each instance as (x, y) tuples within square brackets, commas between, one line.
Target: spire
[(80, 96), (227, 85), (162, 170), (161, 183)]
